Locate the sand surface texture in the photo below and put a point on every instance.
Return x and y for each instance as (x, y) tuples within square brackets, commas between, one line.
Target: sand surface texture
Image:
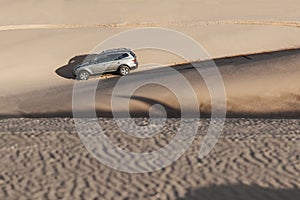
[(253, 159), (43, 157), (38, 37), (258, 85)]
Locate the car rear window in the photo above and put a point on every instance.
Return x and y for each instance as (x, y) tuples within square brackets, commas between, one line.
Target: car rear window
[(123, 55), (133, 54)]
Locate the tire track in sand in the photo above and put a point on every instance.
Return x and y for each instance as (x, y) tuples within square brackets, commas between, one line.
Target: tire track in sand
[(292, 24)]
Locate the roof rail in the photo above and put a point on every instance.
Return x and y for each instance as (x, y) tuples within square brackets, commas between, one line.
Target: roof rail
[(115, 49)]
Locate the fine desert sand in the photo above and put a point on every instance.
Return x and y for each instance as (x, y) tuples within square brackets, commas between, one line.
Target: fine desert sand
[(255, 46), (253, 159), (43, 36)]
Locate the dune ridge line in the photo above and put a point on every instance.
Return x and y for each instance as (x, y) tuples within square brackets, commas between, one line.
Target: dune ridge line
[(293, 24)]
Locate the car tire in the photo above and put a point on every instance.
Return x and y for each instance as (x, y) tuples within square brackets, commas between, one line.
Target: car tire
[(124, 70), (83, 75)]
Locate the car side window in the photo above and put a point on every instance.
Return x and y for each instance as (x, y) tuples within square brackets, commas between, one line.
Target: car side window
[(102, 59), (124, 55), (113, 57)]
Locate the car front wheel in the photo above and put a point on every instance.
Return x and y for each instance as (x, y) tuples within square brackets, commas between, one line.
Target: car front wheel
[(124, 70), (83, 75)]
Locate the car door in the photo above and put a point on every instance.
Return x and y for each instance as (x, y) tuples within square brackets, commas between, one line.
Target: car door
[(102, 64), (113, 66), (118, 61)]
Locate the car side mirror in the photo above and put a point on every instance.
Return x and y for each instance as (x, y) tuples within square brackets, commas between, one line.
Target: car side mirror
[(93, 62)]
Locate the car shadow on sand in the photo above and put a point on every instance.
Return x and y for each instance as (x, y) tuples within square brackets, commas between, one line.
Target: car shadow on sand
[(66, 71), (241, 192)]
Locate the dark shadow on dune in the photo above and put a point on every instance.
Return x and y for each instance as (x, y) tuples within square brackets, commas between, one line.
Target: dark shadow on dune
[(241, 192), (257, 57), (235, 60), (66, 71), (170, 111)]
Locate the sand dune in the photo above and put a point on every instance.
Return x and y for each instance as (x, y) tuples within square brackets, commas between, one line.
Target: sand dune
[(254, 159), (293, 24), (261, 85), (115, 11), (45, 36), (255, 45)]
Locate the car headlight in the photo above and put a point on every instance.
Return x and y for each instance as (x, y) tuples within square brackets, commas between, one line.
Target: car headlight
[(76, 68)]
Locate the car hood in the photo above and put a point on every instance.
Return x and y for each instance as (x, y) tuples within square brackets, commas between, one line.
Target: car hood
[(81, 65)]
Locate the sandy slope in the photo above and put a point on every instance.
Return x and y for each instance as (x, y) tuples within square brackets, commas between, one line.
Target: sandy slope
[(45, 35), (255, 85), (117, 11), (30, 57), (253, 159)]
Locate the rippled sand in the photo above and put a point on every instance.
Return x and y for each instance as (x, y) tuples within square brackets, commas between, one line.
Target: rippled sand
[(253, 159)]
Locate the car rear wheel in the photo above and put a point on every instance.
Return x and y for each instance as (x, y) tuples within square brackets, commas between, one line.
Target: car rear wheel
[(124, 70), (83, 75)]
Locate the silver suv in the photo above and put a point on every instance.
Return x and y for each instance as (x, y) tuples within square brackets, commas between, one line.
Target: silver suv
[(113, 60)]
